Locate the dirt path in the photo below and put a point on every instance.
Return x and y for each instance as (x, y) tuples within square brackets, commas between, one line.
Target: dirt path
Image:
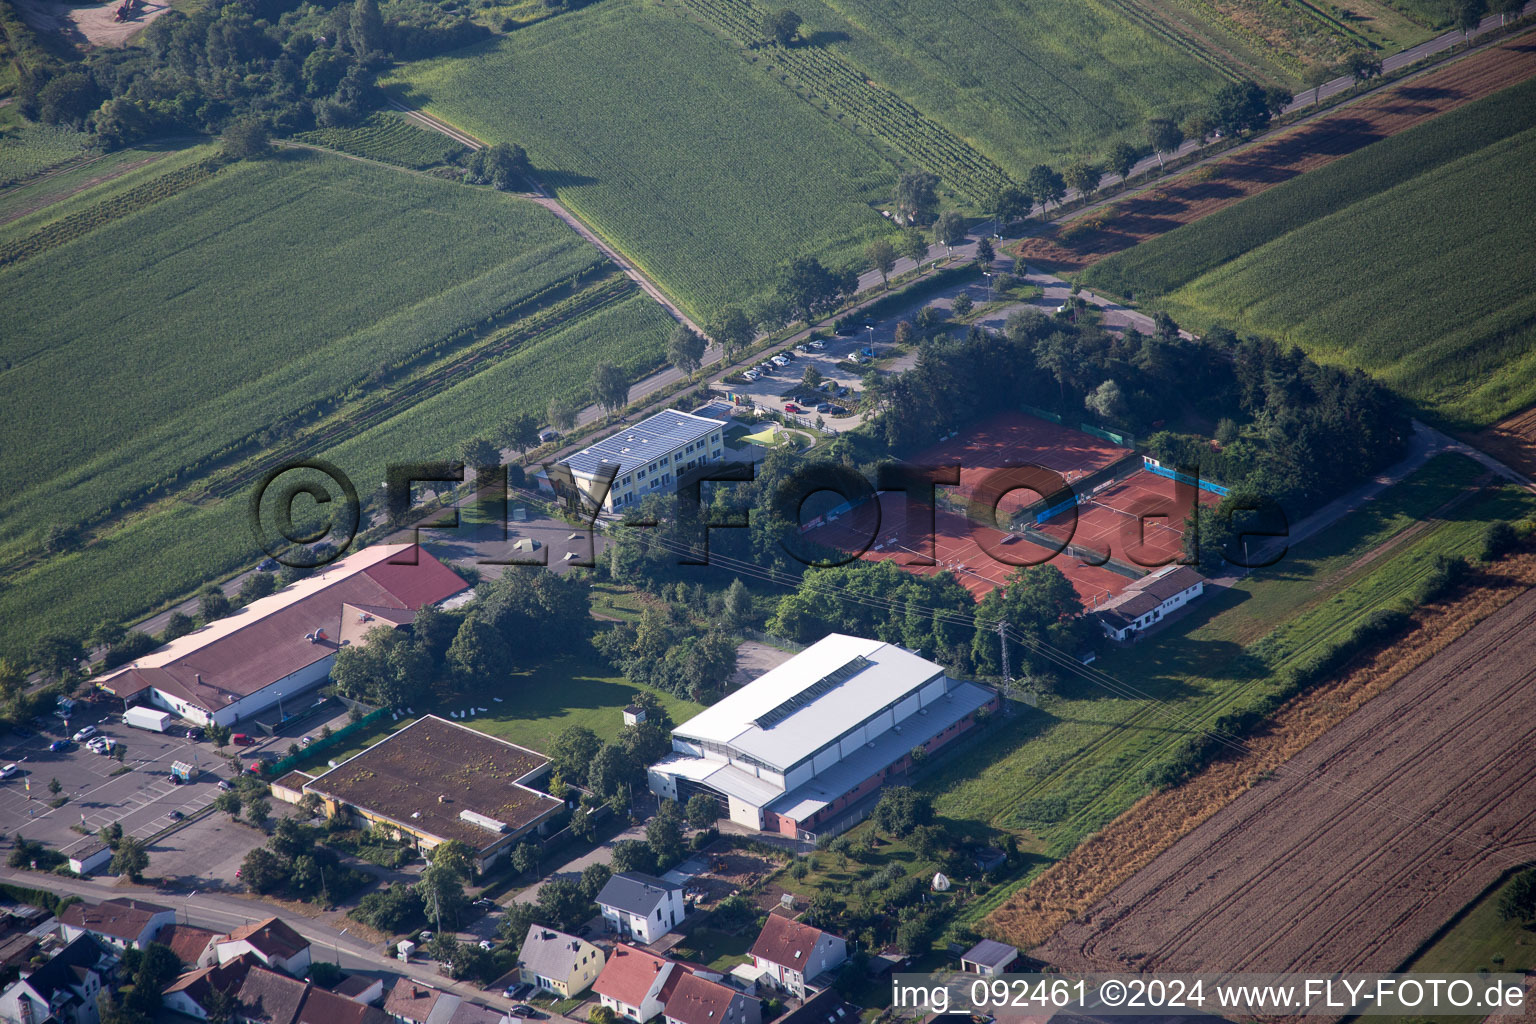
[(87, 26), (1362, 819), (45, 198)]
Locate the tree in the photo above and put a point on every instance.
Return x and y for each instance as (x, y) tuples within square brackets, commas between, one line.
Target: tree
[(901, 810), (685, 349), (1316, 76), (1046, 185), (807, 286), (914, 246), (738, 602), (178, 624), (454, 855), (111, 834), (1239, 108), (882, 258), (593, 878), (57, 654), (812, 377), (574, 751), (525, 858), (1469, 14), (477, 451), (367, 35), (55, 786), (1084, 177), (917, 197), (1276, 99), (262, 871), (731, 329), (611, 769), (1199, 126), (256, 586), (563, 904), (602, 1015), (1008, 204), (633, 855), (1107, 401), (228, 803), (521, 431), (129, 859), (1122, 158), (213, 603), (248, 138), (478, 653), (962, 304), (258, 812), (1504, 8), (1363, 66), (325, 974), (781, 26), (1519, 900), (702, 810), (499, 166), (442, 893), (985, 254), (949, 228), (664, 834), (610, 385), (562, 413), (60, 538), (1164, 137)]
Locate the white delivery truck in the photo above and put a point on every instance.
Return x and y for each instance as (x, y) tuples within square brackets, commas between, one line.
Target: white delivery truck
[(148, 718)]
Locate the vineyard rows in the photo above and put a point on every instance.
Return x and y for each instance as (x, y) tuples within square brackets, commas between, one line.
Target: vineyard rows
[(388, 137), (826, 75)]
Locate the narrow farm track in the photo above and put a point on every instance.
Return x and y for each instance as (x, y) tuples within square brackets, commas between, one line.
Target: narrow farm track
[(544, 199), (1370, 839)]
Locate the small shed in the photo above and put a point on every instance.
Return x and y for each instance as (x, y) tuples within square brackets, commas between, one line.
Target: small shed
[(88, 855), (634, 714), (989, 957)]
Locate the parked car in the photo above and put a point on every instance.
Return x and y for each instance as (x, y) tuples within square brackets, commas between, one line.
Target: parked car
[(84, 734), (226, 785), (838, 410), (240, 739), (194, 733), (824, 407), (9, 770), (751, 375), (97, 743), (58, 745), (425, 938), (485, 904), (842, 392), (524, 1010), (267, 565), (818, 344), (791, 407), (487, 944)]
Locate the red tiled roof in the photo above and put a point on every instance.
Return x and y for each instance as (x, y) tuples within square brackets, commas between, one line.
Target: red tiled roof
[(224, 977), (785, 942), (187, 941), (411, 1000), (266, 641), (272, 938), (697, 1001), (121, 918), (628, 975), (270, 996), (322, 1007)]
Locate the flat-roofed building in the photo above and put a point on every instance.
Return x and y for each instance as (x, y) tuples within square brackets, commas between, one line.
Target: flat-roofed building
[(796, 750), (436, 780), (284, 644), (650, 456)]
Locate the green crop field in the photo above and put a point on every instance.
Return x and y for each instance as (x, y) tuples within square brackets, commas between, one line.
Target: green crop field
[(29, 149), (1423, 285), (698, 166), (1383, 260), (1023, 84), (390, 137), (1055, 775), (421, 314)]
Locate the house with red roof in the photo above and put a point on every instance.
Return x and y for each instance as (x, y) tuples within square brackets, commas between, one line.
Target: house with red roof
[(271, 941), (792, 955), (284, 644), (697, 1000), (120, 922)]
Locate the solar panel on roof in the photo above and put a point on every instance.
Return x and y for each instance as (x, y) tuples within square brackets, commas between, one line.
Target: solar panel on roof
[(826, 684)]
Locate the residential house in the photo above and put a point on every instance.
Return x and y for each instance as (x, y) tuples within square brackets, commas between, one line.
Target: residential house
[(193, 946), (64, 989), (792, 955), (825, 1007), (632, 982), (360, 988), (697, 1000), (413, 1002), (257, 994), (989, 957), (272, 941), (559, 963), (121, 922), (640, 906)]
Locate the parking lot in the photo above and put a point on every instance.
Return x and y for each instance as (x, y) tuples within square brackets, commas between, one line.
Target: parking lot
[(769, 389), (142, 799)]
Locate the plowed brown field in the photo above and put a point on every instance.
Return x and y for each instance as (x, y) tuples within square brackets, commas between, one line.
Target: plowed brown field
[(1362, 845), (1076, 244), (1512, 441)]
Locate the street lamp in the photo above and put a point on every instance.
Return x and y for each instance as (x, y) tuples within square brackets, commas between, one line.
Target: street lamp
[(280, 715), (988, 275)]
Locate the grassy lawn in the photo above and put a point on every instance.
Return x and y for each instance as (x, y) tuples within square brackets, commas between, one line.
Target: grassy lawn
[(615, 601), (717, 949), (576, 690), (708, 205), (1052, 776), (1479, 941)]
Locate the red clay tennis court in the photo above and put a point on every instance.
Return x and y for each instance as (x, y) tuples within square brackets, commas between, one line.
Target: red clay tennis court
[(980, 557), (1016, 439), (1138, 521)]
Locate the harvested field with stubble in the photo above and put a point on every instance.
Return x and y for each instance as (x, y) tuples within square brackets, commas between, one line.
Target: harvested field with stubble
[(1366, 817), (1085, 241), (1512, 441)]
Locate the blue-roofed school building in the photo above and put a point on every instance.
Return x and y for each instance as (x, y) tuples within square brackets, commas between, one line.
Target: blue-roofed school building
[(650, 456)]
